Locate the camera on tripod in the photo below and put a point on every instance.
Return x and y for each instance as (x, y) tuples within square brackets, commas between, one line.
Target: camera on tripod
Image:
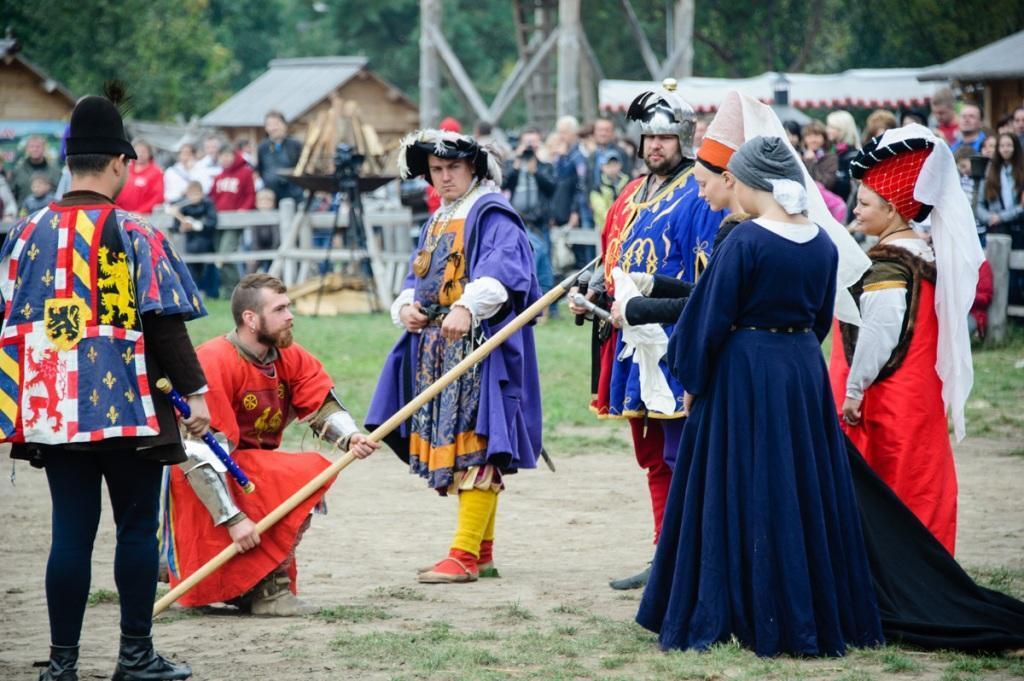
[(347, 163)]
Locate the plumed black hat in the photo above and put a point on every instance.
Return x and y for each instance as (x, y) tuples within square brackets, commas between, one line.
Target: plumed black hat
[(418, 147), (97, 127)]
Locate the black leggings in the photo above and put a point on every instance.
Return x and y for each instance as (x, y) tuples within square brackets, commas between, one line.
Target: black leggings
[(134, 487)]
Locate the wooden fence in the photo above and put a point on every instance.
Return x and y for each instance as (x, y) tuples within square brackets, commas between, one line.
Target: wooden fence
[(387, 235), (390, 234), (1002, 259)]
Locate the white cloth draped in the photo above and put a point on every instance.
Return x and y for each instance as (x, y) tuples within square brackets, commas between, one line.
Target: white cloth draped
[(759, 119), (958, 256), (647, 343)]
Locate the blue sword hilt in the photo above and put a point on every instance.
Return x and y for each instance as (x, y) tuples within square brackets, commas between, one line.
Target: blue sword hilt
[(182, 406)]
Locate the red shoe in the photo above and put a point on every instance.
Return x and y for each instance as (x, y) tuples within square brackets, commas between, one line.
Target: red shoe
[(459, 567)]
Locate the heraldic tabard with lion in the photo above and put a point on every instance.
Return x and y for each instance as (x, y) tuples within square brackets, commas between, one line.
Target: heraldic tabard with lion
[(72, 356)]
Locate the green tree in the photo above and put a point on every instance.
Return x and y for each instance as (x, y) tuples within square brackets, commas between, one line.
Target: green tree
[(164, 50), (253, 31), (926, 32), (183, 57)]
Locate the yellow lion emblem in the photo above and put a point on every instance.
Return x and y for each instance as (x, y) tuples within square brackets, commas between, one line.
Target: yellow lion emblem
[(117, 295)]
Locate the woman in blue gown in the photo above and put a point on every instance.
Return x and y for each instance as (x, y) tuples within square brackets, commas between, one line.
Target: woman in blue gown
[(762, 538)]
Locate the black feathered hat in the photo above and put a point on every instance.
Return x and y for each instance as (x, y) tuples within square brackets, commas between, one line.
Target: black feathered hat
[(417, 147), (97, 127)]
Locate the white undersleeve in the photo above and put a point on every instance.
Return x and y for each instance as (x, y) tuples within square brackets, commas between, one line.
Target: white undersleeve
[(881, 321), (483, 298)]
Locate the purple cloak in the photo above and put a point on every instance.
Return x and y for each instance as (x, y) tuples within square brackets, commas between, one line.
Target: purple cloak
[(510, 414)]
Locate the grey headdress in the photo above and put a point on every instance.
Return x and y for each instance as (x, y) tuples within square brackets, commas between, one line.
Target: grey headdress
[(766, 163)]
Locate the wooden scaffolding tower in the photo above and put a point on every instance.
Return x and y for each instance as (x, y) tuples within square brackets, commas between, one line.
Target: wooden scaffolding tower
[(557, 70)]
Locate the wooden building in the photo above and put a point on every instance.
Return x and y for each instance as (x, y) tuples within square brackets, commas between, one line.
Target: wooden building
[(301, 89), (992, 75), (27, 93), (31, 103)]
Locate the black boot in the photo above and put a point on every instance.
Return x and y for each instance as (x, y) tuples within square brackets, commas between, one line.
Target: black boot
[(63, 664), (137, 661), (635, 582)]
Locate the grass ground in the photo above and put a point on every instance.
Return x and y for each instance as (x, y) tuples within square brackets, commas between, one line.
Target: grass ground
[(571, 640), (353, 347)]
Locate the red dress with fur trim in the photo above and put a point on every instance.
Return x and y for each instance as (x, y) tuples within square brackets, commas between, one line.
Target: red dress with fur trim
[(903, 433), (251, 406)]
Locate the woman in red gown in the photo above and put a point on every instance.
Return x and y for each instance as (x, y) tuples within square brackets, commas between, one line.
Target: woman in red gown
[(910, 360)]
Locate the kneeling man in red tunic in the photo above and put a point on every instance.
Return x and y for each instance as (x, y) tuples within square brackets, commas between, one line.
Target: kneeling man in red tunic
[(259, 382)]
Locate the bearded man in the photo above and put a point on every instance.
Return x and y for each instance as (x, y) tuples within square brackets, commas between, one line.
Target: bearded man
[(260, 380), (659, 225)]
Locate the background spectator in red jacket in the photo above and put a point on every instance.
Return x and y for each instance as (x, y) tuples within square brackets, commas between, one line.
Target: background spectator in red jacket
[(234, 187), (946, 123), (144, 188), (977, 320)]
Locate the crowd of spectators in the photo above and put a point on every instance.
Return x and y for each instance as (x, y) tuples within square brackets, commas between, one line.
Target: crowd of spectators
[(192, 190), (560, 181), (569, 178)]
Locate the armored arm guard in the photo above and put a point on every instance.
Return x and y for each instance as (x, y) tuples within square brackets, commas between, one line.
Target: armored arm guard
[(208, 479), (333, 423)]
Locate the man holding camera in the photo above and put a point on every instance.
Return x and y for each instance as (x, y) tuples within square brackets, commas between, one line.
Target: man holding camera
[(530, 184)]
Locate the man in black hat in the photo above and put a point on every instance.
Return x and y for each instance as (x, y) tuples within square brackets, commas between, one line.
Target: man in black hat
[(95, 309), (472, 273)]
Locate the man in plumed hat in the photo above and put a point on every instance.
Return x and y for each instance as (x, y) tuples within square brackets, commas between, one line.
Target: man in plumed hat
[(95, 303), (659, 225), (470, 275)]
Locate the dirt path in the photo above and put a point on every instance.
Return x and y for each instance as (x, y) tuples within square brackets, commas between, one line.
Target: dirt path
[(560, 538)]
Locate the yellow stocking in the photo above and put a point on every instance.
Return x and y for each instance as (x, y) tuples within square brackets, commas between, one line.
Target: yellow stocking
[(489, 531), (476, 513)]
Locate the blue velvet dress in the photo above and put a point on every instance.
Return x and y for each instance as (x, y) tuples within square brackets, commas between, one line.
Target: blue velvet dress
[(761, 538)]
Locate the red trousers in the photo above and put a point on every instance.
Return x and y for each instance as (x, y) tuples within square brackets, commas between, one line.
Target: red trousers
[(650, 448)]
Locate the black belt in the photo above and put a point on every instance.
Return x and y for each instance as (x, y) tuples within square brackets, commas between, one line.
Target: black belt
[(774, 329)]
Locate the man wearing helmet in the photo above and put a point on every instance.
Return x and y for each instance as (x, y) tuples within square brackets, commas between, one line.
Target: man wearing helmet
[(658, 225)]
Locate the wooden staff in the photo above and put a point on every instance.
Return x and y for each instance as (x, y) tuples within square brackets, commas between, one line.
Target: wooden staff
[(377, 435)]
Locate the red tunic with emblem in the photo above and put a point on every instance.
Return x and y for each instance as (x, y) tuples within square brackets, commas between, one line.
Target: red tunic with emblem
[(250, 405)]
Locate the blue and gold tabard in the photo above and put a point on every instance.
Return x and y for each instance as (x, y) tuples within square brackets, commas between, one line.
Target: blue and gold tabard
[(670, 234), (74, 282)]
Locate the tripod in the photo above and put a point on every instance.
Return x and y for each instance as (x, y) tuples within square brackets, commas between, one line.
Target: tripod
[(347, 163)]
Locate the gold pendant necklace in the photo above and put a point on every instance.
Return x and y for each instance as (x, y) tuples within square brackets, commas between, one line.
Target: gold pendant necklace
[(421, 265), (438, 226)]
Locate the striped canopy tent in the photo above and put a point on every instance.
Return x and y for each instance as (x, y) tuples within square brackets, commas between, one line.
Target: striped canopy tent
[(866, 88)]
